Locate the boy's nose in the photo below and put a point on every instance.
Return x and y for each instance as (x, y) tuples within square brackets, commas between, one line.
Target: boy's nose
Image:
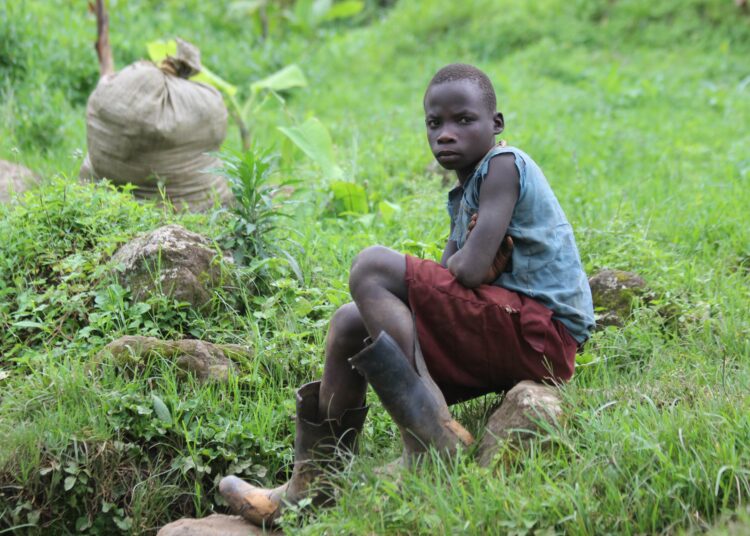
[(446, 136)]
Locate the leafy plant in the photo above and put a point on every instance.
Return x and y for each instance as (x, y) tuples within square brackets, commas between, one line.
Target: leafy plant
[(257, 213), (313, 138)]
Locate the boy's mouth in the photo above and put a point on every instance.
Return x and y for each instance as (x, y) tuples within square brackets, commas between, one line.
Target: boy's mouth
[(447, 155)]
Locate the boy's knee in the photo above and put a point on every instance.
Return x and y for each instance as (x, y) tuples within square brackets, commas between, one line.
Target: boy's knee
[(366, 264), (347, 320)]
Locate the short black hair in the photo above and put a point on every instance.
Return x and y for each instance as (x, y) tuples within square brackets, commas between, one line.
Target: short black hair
[(462, 71)]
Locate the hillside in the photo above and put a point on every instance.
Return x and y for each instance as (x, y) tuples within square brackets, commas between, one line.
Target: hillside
[(637, 112)]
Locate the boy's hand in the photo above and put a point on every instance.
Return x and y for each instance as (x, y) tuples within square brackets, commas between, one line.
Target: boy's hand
[(502, 257)]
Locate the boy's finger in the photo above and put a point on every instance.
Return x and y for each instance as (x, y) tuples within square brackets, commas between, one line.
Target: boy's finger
[(472, 222), (504, 254), (507, 245)]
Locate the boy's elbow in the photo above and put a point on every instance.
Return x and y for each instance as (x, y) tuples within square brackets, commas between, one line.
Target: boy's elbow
[(468, 278), (464, 272)]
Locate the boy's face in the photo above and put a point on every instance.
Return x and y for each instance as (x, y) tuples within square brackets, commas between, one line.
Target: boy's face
[(460, 126)]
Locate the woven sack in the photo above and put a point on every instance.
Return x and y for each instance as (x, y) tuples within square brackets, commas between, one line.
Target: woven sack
[(150, 126)]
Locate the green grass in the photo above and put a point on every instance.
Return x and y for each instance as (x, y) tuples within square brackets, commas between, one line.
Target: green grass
[(636, 111)]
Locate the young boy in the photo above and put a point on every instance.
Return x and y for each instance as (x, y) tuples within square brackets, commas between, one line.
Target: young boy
[(508, 302)]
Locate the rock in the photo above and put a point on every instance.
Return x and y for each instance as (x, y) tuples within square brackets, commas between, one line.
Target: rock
[(213, 525), (517, 418), (179, 263), (14, 178), (613, 292), (202, 359)]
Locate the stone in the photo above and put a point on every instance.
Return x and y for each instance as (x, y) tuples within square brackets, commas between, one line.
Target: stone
[(14, 178), (518, 417), (204, 360), (172, 260), (613, 292), (213, 525)]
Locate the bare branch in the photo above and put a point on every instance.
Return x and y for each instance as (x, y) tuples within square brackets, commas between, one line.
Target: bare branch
[(103, 49)]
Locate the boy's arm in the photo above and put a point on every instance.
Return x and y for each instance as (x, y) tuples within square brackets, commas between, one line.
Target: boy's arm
[(497, 198), (450, 249)]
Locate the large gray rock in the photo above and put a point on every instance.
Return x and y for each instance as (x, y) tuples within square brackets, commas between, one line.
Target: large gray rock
[(172, 260), (14, 178), (613, 292), (518, 417), (204, 360), (213, 525)]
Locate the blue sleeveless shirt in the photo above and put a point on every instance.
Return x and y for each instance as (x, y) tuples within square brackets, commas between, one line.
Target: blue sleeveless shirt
[(546, 265)]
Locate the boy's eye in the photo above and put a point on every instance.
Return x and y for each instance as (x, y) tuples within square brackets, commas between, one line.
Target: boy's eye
[(432, 123), (464, 121)]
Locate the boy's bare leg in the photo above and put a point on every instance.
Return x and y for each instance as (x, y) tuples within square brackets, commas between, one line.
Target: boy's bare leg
[(377, 285), (376, 282), (342, 387)]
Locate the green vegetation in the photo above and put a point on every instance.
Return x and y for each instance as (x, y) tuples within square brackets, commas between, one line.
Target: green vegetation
[(638, 113)]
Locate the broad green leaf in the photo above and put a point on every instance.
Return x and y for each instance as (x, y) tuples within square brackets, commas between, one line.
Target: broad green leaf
[(349, 197), (82, 523), (160, 49), (313, 139), (27, 324), (294, 265), (344, 10), (319, 9), (161, 409), (388, 210), (123, 523), (302, 10), (69, 483), (287, 78), (212, 79)]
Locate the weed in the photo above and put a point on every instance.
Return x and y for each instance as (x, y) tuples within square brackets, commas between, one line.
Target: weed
[(257, 215)]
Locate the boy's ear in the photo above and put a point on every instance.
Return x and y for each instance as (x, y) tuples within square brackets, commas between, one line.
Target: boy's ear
[(498, 123)]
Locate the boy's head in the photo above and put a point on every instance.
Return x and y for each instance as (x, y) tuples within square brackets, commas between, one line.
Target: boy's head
[(461, 117)]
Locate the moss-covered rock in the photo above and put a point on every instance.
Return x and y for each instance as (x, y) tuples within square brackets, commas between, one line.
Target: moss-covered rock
[(172, 260), (204, 360), (614, 292)]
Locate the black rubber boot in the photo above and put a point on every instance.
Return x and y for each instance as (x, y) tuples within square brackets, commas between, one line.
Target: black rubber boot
[(317, 445), (413, 400)]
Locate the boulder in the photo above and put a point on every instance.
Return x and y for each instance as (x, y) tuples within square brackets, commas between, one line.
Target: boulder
[(204, 360), (14, 178), (213, 525), (172, 260), (613, 292), (518, 417)]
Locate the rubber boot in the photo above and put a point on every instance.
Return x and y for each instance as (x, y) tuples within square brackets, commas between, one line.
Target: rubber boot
[(411, 398), (317, 445)]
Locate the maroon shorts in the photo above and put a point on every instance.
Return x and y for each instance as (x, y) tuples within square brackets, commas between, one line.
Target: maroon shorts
[(485, 339)]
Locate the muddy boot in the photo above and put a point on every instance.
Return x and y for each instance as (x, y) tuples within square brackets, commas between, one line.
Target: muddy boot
[(317, 445), (411, 397)]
